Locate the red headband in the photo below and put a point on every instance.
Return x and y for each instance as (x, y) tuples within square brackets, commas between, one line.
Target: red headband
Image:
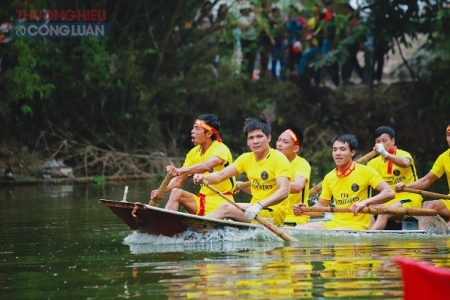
[(448, 128), (209, 128), (293, 136)]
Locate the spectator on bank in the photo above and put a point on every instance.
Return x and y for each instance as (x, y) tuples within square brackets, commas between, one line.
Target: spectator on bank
[(247, 23), (265, 39), (205, 18), (278, 49), (352, 64), (295, 26), (223, 27), (329, 28), (315, 41), (368, 49)]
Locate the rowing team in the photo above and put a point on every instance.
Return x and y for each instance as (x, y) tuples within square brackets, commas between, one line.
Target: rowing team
[(279, 179)]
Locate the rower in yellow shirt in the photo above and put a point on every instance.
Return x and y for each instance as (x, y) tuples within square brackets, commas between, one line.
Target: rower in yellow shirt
[(209, 155), (268, 171), (289, 143), (347, 186), (440, 167), (395, 166)]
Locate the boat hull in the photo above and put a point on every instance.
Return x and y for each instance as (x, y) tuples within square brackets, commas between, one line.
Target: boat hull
[(157, 221)]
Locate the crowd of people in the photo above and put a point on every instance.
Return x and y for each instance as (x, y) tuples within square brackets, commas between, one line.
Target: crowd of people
[(279, 179), (282, 42)]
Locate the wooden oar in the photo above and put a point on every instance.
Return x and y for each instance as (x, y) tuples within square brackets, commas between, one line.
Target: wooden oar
[(426, 193), (363, 159), (161, 189), (260, 220), (375, 210)]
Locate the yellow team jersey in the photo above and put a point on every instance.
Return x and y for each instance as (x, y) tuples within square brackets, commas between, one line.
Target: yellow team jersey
[(440, 167), (348, 190), (299, 167), (263, 174), (220, 150), (396, 175)]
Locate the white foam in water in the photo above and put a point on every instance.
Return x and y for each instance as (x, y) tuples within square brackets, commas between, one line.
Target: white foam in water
[(434, 224), (193, 237), (224, 240), (232, 239)]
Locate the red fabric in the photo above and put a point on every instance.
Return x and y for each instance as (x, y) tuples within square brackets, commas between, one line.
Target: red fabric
[(328, 16), (201, 210), (423, 280), (392, 151), (301, 20)]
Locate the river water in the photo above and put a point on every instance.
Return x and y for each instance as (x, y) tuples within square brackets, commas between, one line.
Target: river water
[(59, 242)]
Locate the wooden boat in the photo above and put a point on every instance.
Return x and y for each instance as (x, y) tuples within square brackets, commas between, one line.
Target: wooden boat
[(423, 280), (158, 221)]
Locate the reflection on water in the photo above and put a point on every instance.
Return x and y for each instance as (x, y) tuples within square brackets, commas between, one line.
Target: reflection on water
[(264, 271), (322, 265), (59, 242)]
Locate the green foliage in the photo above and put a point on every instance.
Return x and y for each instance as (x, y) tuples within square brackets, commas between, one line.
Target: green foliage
[(25, 83), (98, 181)]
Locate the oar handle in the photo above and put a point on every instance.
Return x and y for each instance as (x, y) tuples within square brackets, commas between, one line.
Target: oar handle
[(426, 193), (363, 159), (260, 220), (375, 210), (315, 189), (161, 189)]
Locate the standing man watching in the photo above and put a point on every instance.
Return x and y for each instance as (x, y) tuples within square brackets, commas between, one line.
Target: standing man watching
[(268, 171), (395, 166), (209, 155), (440, 167)]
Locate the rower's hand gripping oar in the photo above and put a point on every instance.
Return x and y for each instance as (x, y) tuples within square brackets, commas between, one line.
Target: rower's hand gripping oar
[(374, 210), (363, 159), (426, 193), (260, 220), (161, 189)]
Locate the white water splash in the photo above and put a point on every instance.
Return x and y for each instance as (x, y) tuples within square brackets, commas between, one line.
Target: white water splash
[(232, 240)]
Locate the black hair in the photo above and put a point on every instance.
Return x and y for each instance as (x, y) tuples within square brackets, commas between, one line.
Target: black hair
[(350, 139), (328, 3), (211, 120), (384, 129), (257, 123)]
